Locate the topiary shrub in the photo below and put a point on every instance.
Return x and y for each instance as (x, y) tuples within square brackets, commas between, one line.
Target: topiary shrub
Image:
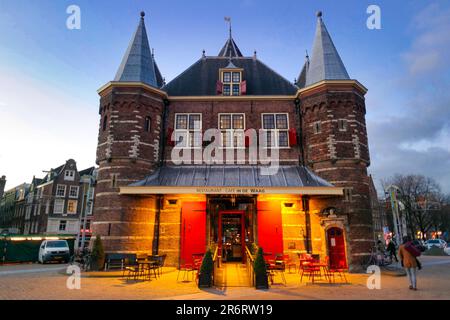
[(97, 255), (205, 276), (261, 281)]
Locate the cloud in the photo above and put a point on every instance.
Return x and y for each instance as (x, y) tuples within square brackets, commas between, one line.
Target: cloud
[(417, 139)]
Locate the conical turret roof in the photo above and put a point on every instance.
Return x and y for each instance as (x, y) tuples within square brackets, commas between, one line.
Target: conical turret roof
[(325, 62), (137, 64)]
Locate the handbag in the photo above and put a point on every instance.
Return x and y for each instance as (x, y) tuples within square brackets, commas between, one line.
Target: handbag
[(412, 249)]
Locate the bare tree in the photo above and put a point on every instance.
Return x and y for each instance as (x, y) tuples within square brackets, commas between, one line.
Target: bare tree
[(420, 197)]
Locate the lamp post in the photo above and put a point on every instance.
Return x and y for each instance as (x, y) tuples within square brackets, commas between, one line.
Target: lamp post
[(393, 189)]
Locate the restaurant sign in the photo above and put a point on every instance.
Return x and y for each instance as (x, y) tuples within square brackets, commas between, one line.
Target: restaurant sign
[(230, 190)]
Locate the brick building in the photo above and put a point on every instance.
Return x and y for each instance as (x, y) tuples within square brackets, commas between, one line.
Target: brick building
[(59, 203), (316, 201)]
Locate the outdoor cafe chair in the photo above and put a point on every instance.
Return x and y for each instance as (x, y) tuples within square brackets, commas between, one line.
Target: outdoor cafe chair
[(308, 268), (131, 267), (186, 268), (340, 270)]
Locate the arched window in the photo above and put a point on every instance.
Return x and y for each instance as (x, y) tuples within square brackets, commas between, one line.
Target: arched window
[(105, 122), (148, 124)]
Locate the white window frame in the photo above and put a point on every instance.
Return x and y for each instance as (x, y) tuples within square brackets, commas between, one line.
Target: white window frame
[(55, 206), (276, 130), (57, 187), (69, 175), (75, 208), (47, 207), (70, 192), (232, 132), (186, 133), (65, 225), (231, 82)]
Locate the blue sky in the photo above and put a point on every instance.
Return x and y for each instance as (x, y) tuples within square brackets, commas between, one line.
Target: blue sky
[(49, 74)]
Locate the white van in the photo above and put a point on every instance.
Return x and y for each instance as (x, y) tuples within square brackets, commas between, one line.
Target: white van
[(54, 250)]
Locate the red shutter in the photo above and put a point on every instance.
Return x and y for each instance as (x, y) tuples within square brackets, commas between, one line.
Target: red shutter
[(244, 87), (247, 139), (219, 87), (292, 137), (170, 142)]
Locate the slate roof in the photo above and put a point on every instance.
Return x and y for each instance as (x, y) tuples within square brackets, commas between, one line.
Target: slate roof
[(88, 171), (138, 64), (200, 79), (325, 63), (233, 176)]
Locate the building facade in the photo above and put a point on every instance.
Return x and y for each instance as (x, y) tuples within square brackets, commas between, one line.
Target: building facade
[(230, 154), (12, 209)]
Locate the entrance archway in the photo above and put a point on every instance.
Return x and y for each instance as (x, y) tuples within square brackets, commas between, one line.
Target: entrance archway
[(336, 247)]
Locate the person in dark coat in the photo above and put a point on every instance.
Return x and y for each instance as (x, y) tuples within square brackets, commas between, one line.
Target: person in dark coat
[(392, 250)]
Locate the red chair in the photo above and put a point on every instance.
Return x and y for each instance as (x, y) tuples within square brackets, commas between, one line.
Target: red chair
[(307, 267), (340, 270), (288, 262)]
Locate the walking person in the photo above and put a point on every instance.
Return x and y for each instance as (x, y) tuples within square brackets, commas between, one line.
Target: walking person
[(392, 250), (407, 253)]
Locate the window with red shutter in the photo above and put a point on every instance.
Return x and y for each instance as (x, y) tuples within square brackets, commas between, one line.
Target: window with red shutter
[(244, 87), (292, 137), (219, 87)]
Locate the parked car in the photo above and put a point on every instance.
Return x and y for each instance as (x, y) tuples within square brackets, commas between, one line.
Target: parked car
[(436, 243), (419, 245), (54, 250)]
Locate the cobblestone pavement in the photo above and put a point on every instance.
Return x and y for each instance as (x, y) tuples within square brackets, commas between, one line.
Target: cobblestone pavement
[(49, 282)]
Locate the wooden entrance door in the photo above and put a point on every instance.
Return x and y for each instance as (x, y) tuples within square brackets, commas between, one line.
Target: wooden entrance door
[(336, 248), (270, 231), (220, 243), (193, 230)]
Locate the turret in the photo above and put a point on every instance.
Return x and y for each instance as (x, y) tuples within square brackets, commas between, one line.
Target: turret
[(129, 146), (335, 136)]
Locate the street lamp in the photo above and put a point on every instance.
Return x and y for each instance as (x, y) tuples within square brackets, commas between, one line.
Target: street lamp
[(392, 189)]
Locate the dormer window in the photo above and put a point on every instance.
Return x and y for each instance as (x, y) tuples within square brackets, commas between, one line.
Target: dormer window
[(230, 83)]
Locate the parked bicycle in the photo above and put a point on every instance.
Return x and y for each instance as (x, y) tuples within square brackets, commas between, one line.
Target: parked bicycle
[(377, 258), (83, 259)]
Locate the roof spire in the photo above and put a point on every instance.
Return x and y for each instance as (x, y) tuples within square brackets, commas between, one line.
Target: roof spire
[(230, 49), (325, 62), (138, 64)]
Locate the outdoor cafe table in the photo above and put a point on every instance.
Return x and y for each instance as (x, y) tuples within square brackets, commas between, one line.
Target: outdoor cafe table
[(147, 265), (321, 266)]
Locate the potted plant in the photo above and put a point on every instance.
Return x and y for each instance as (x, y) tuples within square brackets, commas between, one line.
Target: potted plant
[(261, 281), (205, 275), (97, 255)]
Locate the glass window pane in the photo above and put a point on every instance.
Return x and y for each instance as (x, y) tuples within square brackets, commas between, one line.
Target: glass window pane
[(225, 121), (282, 122), (268, 121), (239, 138), (226, 89), (236, 89), (226, 76), (226, 139), (181, 122), (238, 121), (283, 138), (236, 77), (194, 122), (181, 138)]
